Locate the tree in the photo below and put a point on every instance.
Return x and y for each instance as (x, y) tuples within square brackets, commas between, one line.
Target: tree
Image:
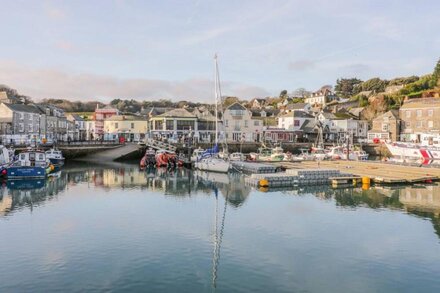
[(374, 84), (229, 101), (283, 93), (435, 79), (347, 87), (300, 93)]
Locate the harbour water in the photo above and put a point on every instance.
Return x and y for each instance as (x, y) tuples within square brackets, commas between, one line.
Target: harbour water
[(115, 228)]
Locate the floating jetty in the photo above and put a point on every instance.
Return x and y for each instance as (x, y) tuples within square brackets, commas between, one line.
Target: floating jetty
[(296, 177), (377, 172), (254, 168)]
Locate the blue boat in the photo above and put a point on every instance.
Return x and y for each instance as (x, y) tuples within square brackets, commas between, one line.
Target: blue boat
[(26, 184), (30, 165)]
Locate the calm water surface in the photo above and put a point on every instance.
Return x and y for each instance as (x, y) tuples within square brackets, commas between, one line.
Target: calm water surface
[(115, 228)]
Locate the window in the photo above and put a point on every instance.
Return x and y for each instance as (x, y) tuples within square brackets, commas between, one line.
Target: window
[(116, 125), (226, 123), (296, 123), (256, 123), (30, 117), (132, 125), (21, 127), (385, 127), (408, 114), (407, 124), (419, 124), (430, 112), (430, 124), (419, 113), (237, 112), (246, 123), (30, 127)]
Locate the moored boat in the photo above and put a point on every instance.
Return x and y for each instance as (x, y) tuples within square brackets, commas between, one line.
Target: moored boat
[(275, 154), (149, 159), (237, 157), (413, 151), (30, 164), (55, 156), (6, 159)]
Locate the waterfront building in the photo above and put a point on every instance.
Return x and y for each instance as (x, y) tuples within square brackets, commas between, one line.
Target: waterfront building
[(321, 98), (295, 120), (20, 124), (385, 127), (279, 135), (89, 129), (53, 123), (100, 115), (173, 123), (80, 127), (131, 128), (420, 117), (240, 125), (336, 126)]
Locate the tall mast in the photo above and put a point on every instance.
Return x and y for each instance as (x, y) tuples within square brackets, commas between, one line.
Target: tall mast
[(216, 96)]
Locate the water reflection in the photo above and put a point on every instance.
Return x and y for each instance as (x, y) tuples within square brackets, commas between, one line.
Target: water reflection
[(199, 231), (419, 200)]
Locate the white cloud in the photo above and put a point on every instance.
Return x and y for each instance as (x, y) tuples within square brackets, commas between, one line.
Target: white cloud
[(52, 83)]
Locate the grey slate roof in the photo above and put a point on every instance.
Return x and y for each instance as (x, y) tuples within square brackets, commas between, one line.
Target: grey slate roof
[(23, 108), (236, 106), (296, 106)]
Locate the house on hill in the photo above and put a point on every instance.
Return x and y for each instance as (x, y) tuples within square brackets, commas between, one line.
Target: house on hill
[(321, 98), (385, 127), (257, 103)]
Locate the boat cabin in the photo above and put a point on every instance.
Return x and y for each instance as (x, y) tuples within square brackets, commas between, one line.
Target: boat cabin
[(31, 159)]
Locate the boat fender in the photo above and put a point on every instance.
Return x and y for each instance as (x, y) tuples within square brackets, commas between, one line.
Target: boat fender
[(264, 183)]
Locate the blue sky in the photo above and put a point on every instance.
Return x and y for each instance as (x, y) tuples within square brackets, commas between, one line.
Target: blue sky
[(164, 49)]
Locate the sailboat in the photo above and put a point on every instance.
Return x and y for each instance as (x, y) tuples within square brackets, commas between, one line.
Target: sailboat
[(210, 161)]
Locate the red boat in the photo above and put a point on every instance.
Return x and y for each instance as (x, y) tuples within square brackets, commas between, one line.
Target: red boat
[(167, 159)]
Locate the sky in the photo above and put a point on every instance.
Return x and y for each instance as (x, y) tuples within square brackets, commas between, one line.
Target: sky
[(147, 50)]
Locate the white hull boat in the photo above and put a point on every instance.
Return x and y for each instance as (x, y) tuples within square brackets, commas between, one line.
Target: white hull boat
[(413, 151), (213, 164)]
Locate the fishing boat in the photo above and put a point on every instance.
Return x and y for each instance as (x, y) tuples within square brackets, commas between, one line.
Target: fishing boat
[(6, 158), (149, 159), (340, 153), (210, 161), (275, 154), (30, 164), (55, 156)]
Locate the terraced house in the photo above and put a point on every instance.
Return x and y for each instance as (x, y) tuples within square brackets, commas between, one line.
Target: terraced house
[(420, 118), (19, 123)]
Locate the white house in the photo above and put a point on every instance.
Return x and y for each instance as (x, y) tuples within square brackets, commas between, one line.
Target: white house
[(240, 125), (336, 127), (295, 120), (321, 98)]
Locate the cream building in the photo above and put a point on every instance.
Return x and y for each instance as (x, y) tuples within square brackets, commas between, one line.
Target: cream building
[(239, 125), (132, 128)]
